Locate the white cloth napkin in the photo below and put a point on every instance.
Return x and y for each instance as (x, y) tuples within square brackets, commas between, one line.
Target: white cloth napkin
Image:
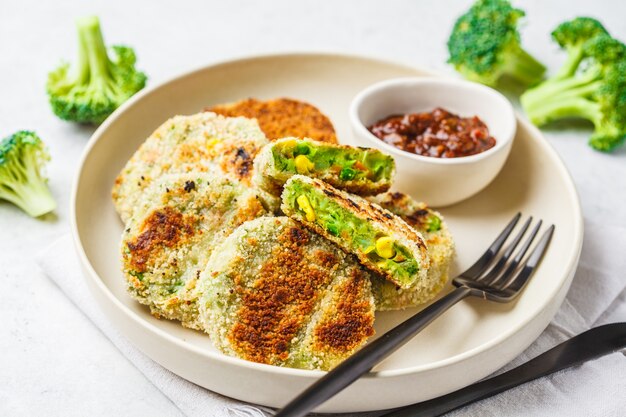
[(60, 263), (596, 388)]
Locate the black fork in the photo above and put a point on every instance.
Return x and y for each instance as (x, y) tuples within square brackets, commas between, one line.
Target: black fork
[(493, 277)]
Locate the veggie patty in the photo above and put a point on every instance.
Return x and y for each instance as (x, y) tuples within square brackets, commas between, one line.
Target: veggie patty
[(357, 170), (276, 293), (382, 241), (173, 233)]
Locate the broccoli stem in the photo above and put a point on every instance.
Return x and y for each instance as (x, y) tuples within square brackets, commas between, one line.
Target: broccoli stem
[(554, 88), (33, 197), (562, 107), (569, 67), (92, 43), (82, 63), (523, 67)]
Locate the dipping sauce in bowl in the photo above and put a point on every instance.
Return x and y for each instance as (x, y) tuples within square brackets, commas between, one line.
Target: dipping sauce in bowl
[(440, 157), (438, 133)]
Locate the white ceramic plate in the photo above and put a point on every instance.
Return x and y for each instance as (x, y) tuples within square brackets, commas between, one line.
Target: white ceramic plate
[(469, 342)]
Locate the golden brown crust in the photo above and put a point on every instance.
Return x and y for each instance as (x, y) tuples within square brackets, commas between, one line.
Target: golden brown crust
[(238, 161), (282, 117), (281, 300), (164, 227), (353, 321)]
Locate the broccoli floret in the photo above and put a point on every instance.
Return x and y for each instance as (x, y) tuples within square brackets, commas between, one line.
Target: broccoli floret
[(98, 84), (22, 155), (595, 90), (571, 36), (485, 45)]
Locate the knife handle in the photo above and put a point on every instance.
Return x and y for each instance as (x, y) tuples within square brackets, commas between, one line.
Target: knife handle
[(588, 345)]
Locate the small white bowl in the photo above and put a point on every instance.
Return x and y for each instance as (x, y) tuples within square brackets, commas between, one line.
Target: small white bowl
[(437, 181)]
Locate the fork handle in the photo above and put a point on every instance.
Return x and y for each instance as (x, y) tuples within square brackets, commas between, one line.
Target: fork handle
[(365, 359)]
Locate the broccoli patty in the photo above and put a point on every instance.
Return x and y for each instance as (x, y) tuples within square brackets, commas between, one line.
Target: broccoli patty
[(282, 117), (276, 293), (382, 241), (180, 220), (360, 171), (440, 251), (198, 143)]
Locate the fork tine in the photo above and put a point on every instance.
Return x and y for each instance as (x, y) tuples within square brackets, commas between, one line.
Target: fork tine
[(510, 270), (481, 264), (513, 287), (494, 272)]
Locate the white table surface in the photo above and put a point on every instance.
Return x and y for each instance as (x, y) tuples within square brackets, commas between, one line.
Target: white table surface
[(53, 361)]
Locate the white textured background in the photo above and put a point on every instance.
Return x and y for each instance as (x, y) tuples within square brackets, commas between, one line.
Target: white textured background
[(53, 361)]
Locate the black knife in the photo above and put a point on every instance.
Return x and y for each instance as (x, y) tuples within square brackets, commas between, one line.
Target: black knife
[(588, 345)]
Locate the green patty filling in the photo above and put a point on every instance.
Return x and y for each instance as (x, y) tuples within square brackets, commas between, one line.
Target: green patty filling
[(433, 224), (349, 163), (359, 235)]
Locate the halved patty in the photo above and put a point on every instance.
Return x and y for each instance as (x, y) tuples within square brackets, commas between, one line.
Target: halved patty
[(180, 220), (276, 293), (440, 251), (282, 117), (198, 143), (361, 171), (382, 241)]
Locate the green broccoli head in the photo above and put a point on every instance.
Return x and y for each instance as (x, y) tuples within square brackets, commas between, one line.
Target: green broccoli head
[(572, 36), (485, 45), (604, 51), (610, 122), (575, 32), (22, 157), (98, 83), (595, 90)]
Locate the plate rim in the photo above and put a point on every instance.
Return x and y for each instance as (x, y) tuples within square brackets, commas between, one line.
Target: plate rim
[(490, 344)]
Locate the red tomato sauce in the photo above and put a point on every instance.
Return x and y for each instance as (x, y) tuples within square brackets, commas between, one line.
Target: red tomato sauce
[(438, 133)]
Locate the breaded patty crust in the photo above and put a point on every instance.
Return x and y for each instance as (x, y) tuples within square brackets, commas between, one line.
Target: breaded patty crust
[(201, 142), (440, 245), (282, 117), (276, 293), (169, 240), (382, 241)]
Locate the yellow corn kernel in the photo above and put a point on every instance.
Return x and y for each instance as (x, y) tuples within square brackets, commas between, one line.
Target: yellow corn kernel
[(384, 247), (305, 206), (210, 144), (303, 165), (291, 143)]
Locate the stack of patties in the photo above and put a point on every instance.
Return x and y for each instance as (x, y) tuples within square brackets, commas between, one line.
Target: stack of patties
[(185, 189), (202, 243), (183, 192)]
